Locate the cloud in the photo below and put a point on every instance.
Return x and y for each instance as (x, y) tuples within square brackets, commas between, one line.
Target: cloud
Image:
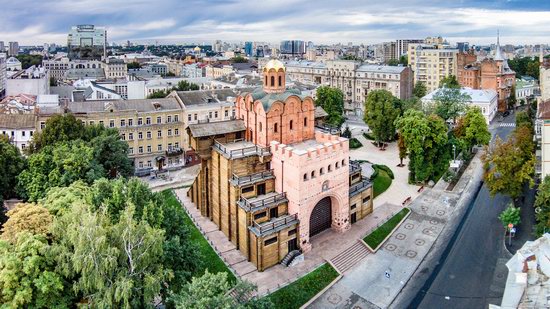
[(321, 21)]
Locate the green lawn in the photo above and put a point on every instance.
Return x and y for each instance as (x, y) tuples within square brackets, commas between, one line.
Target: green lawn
[(382, 181), (355, 143), (299, 292), (377, 236), (211, 260)]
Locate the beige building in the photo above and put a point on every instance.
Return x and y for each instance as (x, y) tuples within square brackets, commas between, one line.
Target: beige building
[(115, 69), (544, 78), (354, 78), (432, 63), (153, 128)]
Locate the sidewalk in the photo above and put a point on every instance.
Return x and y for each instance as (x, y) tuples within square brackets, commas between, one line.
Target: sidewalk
[(325, 246), (367, 286)]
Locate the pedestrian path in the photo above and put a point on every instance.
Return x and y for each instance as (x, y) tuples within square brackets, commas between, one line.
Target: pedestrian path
[(349, 257)]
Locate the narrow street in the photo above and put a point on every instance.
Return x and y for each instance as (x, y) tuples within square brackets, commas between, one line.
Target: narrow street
[(471, 272)]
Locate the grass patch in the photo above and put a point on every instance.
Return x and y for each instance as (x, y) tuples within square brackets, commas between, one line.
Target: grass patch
[(210, 259), (302, 290), (355, 143), (381, 180), (377, 236)]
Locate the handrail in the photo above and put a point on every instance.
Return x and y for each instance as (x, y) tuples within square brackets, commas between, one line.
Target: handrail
[(358, 186), (354, 166), (251, 150), (270, 225), (264, 201), (251, 177)]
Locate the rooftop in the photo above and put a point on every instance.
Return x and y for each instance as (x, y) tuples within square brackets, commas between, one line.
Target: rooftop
[(200, 97), (17, 121), (477, 95), (268, 99), (145, 105), (216, 128), (543, 110)]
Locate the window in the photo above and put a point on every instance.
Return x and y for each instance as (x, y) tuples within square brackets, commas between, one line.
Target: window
[(169, 132), (23, 146), (189, 117), (270, 241), (130, 122), (276, 127), (91, 122), (209, 114), (330, 168), (140, 121), (195, 116), (291, 232), (260, 215), (280, 81), (272, 81), (159, 133), (366, 199), (140, 164), (122, 122), (321, 171), (42, 124), (353, 206), (140, 135), (168, 119), (216, 114), (22, 133), (101, 122), (247, 189), (305, 122), (260, 127), (226, 113), (159, 147), (123, 136), (131, 136), (159, 120), (266, 80), (149, 163), (177, 145), (140, 149), (148, 120), (131, 150), (312, 174), (149, 148), (343, 162), (169, 146), (291, 122), (337, 165), (176, 132), (148, 134), (305, 177)]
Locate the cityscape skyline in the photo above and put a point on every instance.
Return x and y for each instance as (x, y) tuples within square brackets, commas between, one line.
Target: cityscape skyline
[(332, 22)]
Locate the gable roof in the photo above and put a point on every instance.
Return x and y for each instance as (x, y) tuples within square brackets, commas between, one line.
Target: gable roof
[(216, 128), (17, 121)]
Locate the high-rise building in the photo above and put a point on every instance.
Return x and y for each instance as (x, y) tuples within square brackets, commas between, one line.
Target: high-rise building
[(432, 63), (2, 47), (402, 46), (249, 49), (87, 42), (293, 47), (462, 46), (14, 49)]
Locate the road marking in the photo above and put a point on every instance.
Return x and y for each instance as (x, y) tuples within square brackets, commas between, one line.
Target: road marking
[(507, 124)]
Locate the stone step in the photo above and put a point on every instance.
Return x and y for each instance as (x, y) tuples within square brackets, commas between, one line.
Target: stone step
[(349, 257)]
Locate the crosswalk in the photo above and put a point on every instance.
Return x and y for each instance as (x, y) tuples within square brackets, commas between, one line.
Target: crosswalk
[(507, 124)]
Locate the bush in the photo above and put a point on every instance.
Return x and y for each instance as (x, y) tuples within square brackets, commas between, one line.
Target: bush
[(354, 143), (368, 136), (374, 174), (449, 176), (385, 169)]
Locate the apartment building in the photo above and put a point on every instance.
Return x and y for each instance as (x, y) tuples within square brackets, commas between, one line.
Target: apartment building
[(33, 81), (354, 78), (115, 68), (432, 63), (18, 128), (544, 77)]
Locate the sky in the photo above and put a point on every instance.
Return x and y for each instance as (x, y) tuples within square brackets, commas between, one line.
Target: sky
[(321, 21)]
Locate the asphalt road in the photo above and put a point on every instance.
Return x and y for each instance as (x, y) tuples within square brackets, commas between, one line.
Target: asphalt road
[(471, 273)]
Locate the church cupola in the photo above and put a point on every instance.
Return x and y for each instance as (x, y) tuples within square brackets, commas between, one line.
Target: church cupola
[(274, 77)]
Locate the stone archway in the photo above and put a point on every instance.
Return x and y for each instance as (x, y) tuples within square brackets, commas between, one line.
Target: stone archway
[(321, 216)]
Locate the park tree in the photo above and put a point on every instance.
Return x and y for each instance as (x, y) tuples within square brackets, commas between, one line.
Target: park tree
[(410, 103), (512, 98), (26, 218), (508, 166), (510, 215), (186, 86), (523, 119), (212, 291), (28, 278), (449, 103), (380, 114), (542, 207), (402, 149), (59, 128), (476, 130), (332, 101), (420, 90), (112, 153), (11, 165), (60, 200), (158, 94), (449, 82)]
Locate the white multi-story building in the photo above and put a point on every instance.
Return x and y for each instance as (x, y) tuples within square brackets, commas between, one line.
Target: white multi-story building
[(193, 70), (13, 64), (90, 38), (432, 63), (354, 78), (19, 128), (485, 99), (33, 81), (526, 88), (14, 49)]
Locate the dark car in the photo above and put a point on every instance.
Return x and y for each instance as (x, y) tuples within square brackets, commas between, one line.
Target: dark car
[(505, 114)]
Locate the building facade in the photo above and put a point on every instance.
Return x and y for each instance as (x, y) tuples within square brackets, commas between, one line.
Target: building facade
[(432, 64), (544, 78), (355, 79), (87, 42), (33, 81), (485, 99), (115, 68), (269, 180), (18, 128)]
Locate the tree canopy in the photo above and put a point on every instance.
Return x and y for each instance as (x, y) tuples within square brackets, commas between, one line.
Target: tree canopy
[(542, 206), (26, 218), (332, 101), (420, 90), (525, 66), (380, 114), (11, 165), (510, 215), (449, 103), (449, 82), (476, 130)]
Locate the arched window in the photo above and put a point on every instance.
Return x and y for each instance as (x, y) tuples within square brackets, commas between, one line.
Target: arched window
[(330, 168), (337, 164), (280, 81), (291, 124), (312, 174), (276, 128), (321, 171), (343, 162), (260, 127), (305, 176), (272, 81), (305, 121), (266, 80)]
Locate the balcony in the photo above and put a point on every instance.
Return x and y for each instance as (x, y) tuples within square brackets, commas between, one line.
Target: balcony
[(274, 225), (252, 178), (262, 201), (240, 149), (174, 151), (359, 187), (354, 167)]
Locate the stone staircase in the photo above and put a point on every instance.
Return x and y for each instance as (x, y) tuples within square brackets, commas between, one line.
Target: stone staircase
[(349, 257)]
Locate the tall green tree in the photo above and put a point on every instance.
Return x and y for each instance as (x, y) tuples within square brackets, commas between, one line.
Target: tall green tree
[(186, 86), (420, 90), (28, 278), (542, 207), (523, 119), (449, 103), (510, 215), (332, 101), (512, 99), (59, 128), (11, 165), (476, 130), (112, 153), (449, 82), (26, 218), (380, 114)]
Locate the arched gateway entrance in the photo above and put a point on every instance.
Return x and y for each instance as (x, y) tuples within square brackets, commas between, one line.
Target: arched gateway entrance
[(321, 217)]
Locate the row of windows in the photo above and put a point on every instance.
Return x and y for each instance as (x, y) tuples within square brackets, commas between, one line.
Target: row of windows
[(23, 133), (290, 125), (149, 148), (149, 134), (211, 115), (130, 121), (322, 170), (149, 163)]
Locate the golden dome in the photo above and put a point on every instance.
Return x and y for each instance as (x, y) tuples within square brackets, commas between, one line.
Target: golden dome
[(274, 64)]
